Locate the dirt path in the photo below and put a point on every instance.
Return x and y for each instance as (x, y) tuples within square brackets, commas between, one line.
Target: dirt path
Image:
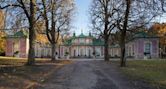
[(89, 75)]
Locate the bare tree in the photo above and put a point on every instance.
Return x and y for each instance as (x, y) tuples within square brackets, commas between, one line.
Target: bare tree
[(28, 8), (162, 4), (127, 14), (57, 15), (103, 15), (133, 15)]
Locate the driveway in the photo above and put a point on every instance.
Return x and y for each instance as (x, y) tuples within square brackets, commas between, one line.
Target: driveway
[(95, 74)]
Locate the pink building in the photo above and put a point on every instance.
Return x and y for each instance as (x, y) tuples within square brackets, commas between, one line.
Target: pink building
[(17, 44), (143, 46)]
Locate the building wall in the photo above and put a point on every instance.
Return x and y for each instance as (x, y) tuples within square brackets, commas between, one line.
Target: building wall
[(43, 50), (155, 48), (82, 51), (137, 48), (99, 50), (16, 44), (9, 47), (23, 48), (114, 52), (131, 49), (77, 51)]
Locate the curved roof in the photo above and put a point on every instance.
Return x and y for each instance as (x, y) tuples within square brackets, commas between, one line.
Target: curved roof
[(96, 42), (21, 33), (143, 35), (82, 36)]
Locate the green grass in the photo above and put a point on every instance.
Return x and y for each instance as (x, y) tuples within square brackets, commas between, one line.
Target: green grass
[(152, 71)]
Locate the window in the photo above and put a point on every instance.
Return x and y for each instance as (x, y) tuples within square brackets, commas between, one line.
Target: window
[(133, 50), (16, 46), (87, 41), (81, 40), (129, 51), (147, 48), (75, 41)]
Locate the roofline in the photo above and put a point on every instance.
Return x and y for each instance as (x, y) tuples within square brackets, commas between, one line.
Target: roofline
[(141, 37), (16, 37), (81, 45)]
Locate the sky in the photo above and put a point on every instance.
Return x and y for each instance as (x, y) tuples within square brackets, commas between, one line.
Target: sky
[(81, 17)]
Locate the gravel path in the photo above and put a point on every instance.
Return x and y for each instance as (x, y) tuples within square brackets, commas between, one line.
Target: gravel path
[(89, 75)]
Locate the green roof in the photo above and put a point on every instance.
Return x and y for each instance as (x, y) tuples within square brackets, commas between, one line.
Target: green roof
[(143, 35), (81, 35), (68, 42), (19, 34), (96, 42)]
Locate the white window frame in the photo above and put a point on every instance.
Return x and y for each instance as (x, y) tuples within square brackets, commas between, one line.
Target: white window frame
[(150, 46)]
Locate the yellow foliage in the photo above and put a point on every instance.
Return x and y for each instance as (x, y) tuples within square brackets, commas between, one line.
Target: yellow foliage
[(2, 18), (2, 41), (160, 30), (42, 38), (2, 34)]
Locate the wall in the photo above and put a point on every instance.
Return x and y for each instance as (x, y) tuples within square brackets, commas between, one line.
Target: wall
[(114, 52), (139, 47), (17, 44), (9, 47)]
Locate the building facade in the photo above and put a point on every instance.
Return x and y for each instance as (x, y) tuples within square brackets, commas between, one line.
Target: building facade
[(17, 45), (140, 46), (114, 51), (42, 50), (82, 46), (143, 46)]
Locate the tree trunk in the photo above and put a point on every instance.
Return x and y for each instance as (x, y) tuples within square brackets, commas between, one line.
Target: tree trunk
[(122, 44), (53, 53), (123, 33), (106, 56), (31, 54)]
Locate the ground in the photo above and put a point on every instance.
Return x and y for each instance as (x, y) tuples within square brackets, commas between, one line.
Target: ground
[(91, 75), (151, 71), (80, 74)]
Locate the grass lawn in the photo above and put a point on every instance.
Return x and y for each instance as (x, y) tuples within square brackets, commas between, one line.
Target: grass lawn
[(151, 71), (14, 75)]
